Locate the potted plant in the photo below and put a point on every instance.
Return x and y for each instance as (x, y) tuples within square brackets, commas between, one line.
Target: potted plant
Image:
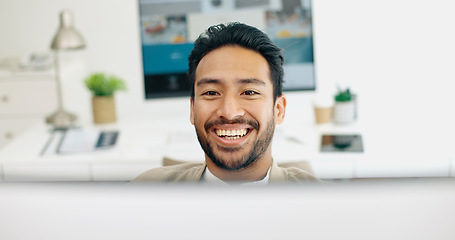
[(344, 109), (103, 87)]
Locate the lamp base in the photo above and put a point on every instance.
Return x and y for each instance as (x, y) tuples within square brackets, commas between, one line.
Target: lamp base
[(61, 119)]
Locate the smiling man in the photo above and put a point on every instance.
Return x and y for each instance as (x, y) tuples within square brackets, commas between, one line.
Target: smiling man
[(236, 73)]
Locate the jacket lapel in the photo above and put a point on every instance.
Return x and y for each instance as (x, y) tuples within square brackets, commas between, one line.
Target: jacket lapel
[(277, 174)]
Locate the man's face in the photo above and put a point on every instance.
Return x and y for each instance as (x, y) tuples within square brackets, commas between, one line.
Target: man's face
[(233, 109)]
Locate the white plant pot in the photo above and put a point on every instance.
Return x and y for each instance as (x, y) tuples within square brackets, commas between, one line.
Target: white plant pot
[(344, 112)]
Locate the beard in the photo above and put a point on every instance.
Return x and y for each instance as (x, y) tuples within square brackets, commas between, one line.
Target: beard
[(224, 158)]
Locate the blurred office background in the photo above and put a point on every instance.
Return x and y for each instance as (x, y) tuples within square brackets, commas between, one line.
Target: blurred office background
[(398, 56)]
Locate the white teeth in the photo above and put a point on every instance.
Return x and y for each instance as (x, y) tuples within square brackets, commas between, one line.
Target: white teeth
[(231, 134)]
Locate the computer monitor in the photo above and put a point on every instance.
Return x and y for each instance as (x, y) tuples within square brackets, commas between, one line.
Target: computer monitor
[(169, 29), (417, 209)]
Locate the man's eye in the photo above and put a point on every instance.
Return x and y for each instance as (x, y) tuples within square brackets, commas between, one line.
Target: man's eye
[(210, 93), (250, 93)]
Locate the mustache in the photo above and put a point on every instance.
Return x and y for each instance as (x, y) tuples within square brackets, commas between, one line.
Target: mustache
[(254, 124)]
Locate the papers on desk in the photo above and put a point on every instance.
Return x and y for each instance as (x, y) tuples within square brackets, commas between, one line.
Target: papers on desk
[(79, 141)]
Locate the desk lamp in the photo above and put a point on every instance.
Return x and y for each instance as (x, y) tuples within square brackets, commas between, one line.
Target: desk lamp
[(66, 38)]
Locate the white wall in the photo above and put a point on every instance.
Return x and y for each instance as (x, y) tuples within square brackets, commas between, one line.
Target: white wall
[(110, 29), (398, 55)]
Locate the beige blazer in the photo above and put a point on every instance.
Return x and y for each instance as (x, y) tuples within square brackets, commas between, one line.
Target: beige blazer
[(192, 172)]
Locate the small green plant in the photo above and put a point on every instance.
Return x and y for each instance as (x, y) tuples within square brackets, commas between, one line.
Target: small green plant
[(101, 84), (343, 96)]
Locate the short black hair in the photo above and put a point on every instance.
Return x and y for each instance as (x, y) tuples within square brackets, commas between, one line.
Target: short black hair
[(238, 34)]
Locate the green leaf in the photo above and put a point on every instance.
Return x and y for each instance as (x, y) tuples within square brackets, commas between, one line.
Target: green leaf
[(343, 96), (101, 84)]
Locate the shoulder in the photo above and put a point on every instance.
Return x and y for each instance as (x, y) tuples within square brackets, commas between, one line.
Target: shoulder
[(294, 174), (176, 173), (291, 172)]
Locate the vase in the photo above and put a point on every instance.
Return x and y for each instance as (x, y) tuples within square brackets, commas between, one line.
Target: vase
[(344, 112), (103, 109)]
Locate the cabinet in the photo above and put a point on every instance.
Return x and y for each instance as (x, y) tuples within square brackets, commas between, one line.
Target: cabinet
[(25, 99)]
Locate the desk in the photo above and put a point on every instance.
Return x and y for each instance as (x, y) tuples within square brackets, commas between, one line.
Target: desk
[(145, 138)]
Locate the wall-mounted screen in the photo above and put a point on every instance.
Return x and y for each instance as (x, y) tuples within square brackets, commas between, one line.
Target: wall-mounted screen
[(170, 27)]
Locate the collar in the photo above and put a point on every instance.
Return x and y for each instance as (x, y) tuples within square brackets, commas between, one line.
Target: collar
[(209, 178)]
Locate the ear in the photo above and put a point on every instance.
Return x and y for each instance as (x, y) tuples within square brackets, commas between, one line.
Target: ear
[(192, 110), (280, 109)]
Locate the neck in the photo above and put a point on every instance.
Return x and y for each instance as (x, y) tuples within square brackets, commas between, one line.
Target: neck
[(255, 172)]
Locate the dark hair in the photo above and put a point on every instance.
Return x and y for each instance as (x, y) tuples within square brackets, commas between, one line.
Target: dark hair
[(241, 35)]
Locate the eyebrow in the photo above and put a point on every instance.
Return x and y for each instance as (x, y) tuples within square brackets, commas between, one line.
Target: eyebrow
[(251, 81), (204, 81), (207, 81)]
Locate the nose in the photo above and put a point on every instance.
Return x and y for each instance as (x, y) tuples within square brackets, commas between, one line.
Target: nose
[(230, 108)]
